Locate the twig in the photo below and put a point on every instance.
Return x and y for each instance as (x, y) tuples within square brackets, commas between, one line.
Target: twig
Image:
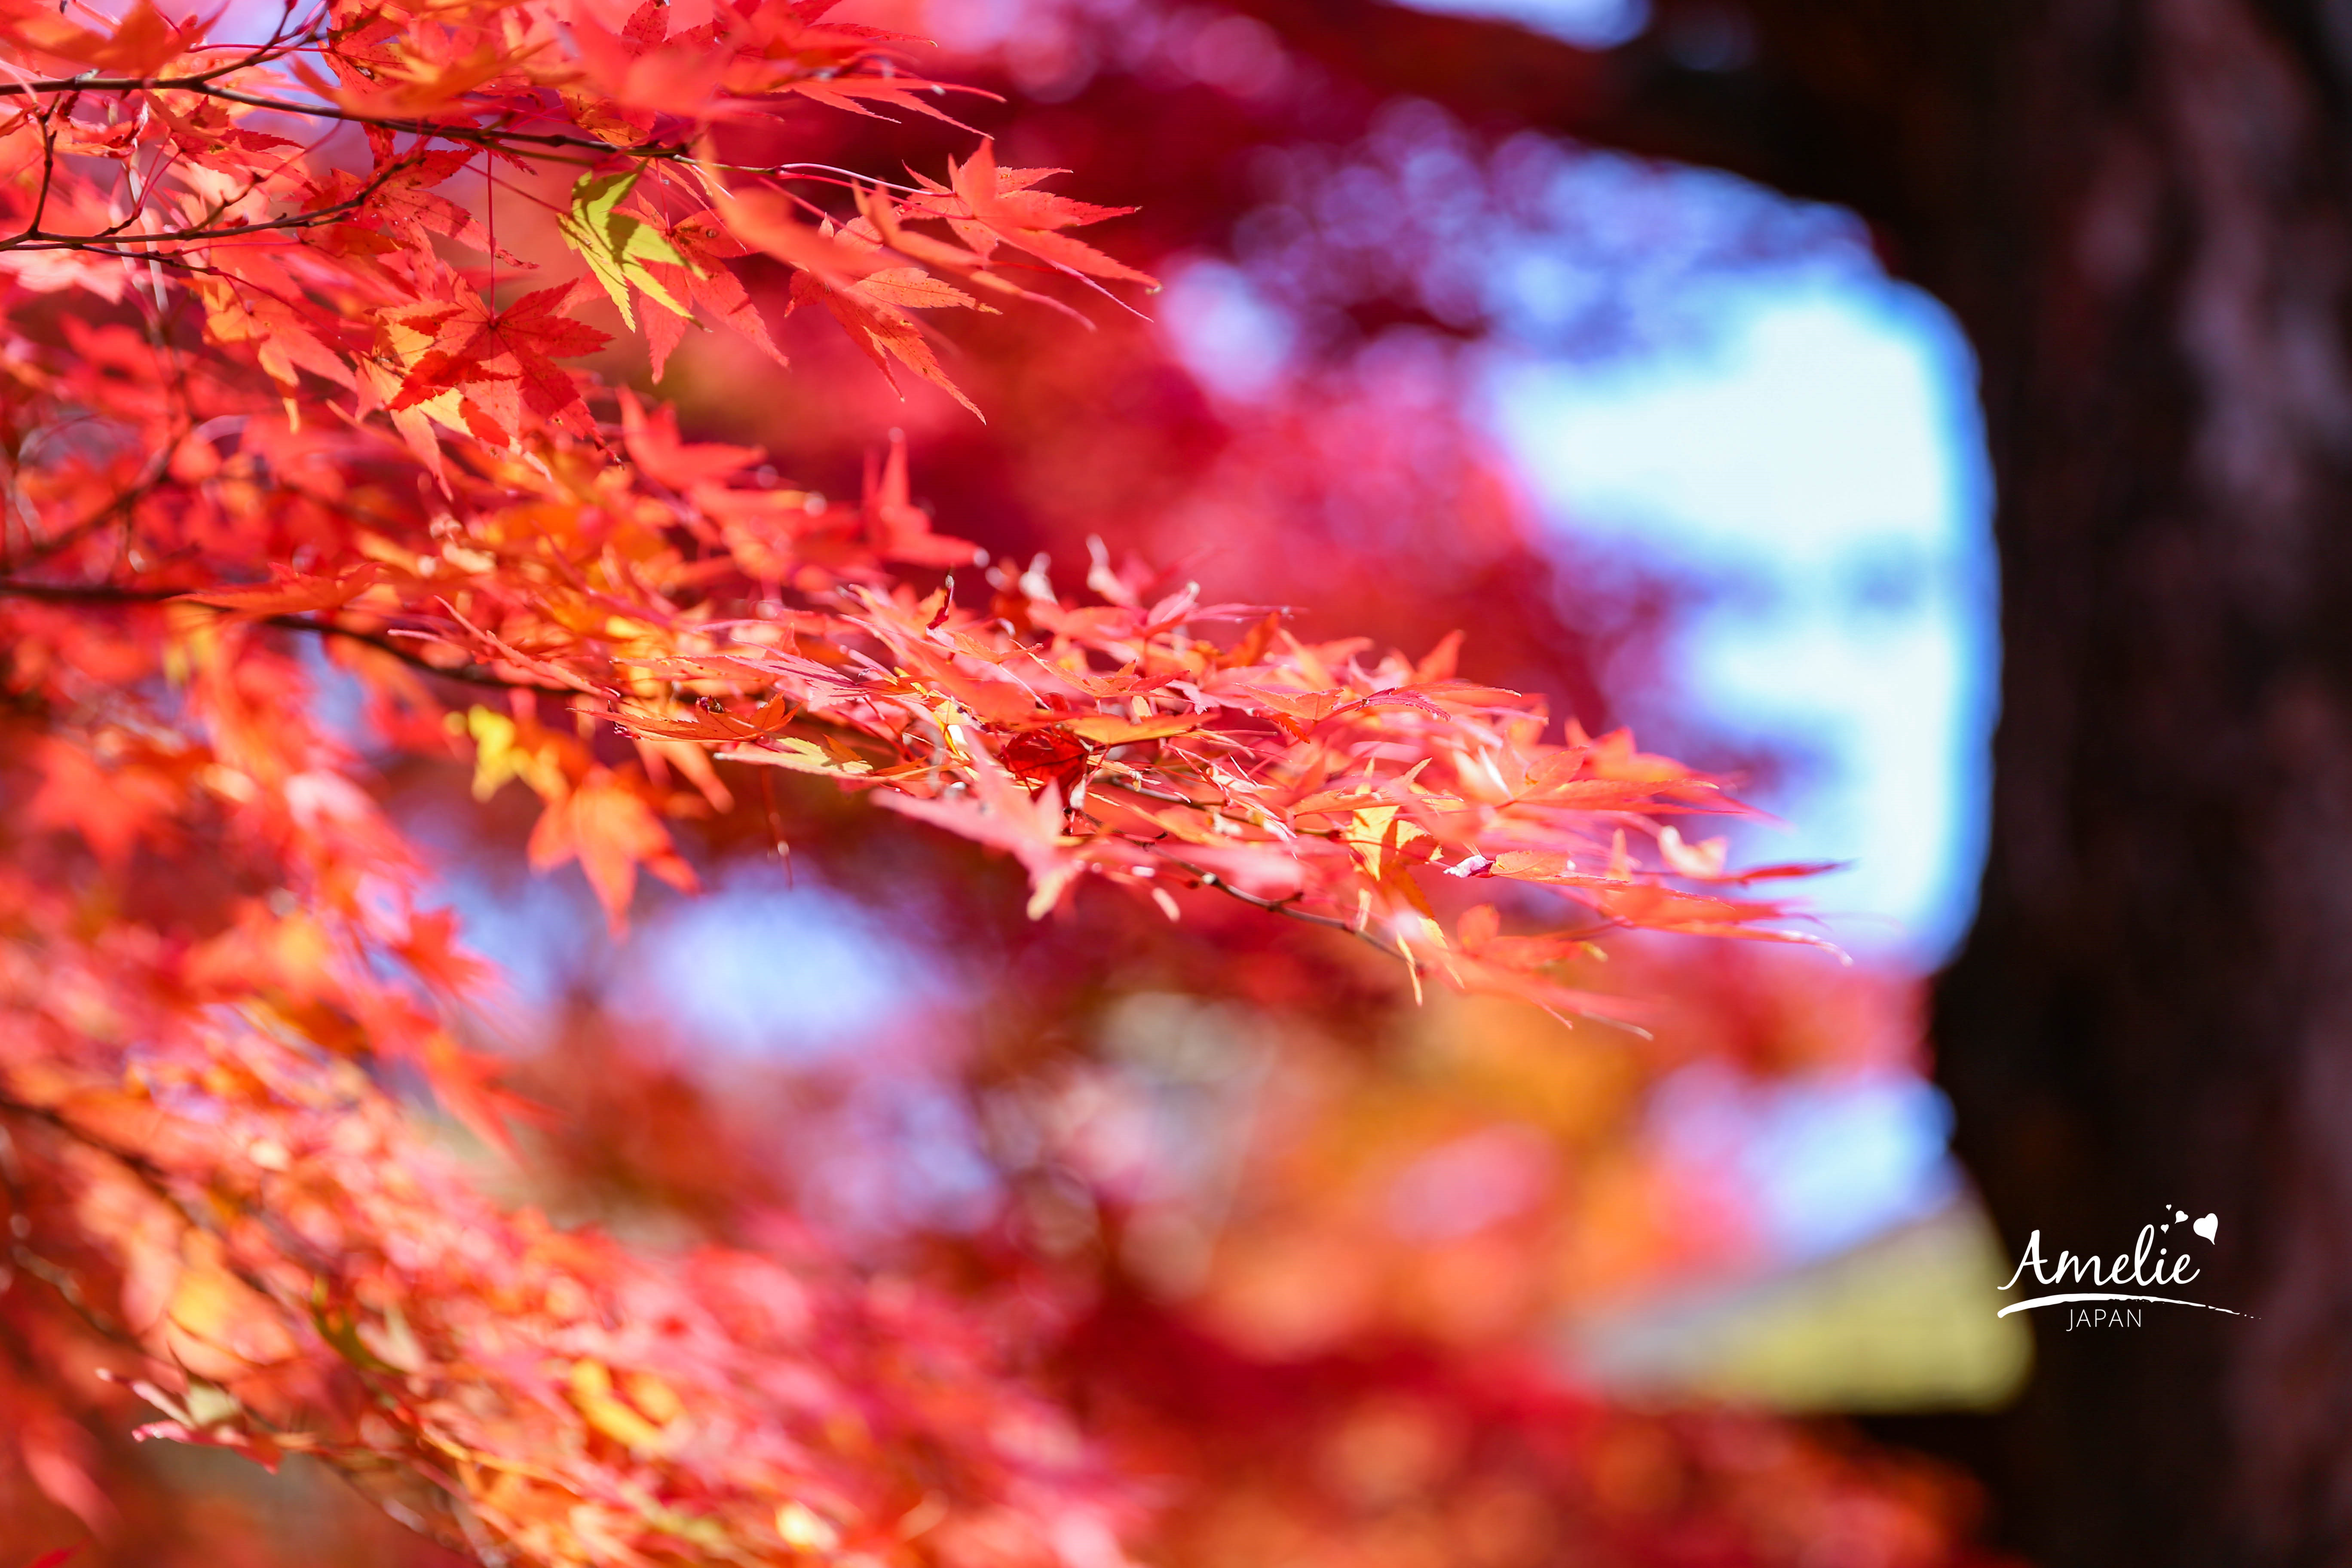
[(104, 593), (1289, 910)]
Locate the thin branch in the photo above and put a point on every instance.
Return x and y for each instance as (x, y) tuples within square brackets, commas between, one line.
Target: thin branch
[(1289, 909), (202, 85), (127, 597), (34, 239), (49, 166)]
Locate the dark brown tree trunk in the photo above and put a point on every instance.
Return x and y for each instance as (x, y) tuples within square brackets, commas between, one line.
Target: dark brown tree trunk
[(2142, 213), (2141, 210), (2152, 253)]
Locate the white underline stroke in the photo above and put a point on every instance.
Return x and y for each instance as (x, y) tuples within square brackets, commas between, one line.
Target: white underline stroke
[(2099, 1295)]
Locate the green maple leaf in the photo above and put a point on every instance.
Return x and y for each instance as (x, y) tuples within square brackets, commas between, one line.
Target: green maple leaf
[(617, 244)]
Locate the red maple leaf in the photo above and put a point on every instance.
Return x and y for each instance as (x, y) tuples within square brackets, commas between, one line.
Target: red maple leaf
[(497, 358)]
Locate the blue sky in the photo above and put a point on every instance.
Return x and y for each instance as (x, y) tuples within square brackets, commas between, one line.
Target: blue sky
[(1595, 24), (1813, 455)]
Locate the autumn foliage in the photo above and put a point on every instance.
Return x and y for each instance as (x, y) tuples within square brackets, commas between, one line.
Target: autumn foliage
[(308, 485)]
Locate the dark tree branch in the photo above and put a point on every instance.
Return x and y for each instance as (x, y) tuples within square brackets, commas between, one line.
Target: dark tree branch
[(130, 597)]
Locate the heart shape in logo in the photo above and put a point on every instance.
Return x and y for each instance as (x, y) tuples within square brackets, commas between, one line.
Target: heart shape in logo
[(2209, 1227)]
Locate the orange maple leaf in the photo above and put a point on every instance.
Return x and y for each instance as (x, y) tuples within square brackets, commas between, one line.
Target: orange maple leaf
[(610, 830)]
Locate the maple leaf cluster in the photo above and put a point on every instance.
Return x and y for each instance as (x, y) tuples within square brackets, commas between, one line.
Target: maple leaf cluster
[(272, 386), (305, 1275), (1113, 739)]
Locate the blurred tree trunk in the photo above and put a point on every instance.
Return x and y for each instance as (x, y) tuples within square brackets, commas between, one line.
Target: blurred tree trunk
[(2141, 211), (2148, 233)]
